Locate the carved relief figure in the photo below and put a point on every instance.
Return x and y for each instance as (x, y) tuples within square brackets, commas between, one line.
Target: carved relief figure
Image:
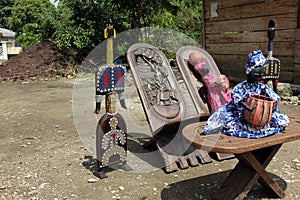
[(155, 82)]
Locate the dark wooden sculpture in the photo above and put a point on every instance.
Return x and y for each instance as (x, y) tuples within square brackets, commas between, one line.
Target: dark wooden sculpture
[(272, 69), (165, 106)]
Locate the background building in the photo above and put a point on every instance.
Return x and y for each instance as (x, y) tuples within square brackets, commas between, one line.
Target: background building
[(233, 28), (8, 45)]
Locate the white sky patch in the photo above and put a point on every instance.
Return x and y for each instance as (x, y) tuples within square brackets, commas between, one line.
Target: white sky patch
[(55, 3)]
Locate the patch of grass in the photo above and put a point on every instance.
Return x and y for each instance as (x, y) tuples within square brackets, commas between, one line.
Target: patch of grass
[(143, 196)]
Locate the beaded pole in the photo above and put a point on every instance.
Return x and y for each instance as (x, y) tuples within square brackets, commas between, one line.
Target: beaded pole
[(111, 136), (272, 69)]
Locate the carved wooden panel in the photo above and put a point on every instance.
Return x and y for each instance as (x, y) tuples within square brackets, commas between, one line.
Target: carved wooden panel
[(156, 85)]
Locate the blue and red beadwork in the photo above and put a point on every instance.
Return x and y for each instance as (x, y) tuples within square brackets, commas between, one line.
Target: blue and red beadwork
[(110, 79)]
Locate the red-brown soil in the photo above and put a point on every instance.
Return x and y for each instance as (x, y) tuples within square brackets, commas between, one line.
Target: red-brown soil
[(40, 61)]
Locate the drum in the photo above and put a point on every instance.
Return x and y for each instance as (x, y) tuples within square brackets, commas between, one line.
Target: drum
[(262, 110)]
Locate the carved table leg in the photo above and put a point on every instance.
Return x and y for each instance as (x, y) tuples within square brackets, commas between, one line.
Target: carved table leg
[(251, 167)]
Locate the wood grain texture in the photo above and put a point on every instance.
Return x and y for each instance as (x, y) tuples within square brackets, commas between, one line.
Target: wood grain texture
[(221, 143), (228, 11), (239, 27)]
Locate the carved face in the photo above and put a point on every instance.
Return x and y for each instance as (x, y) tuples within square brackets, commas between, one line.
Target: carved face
[(256, 73)]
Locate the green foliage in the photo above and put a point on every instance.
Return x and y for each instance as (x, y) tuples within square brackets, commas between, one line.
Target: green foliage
[(170, 40), (47, 23), (31, 34), (28, 11), (32, 20), (188, 18), (79, 24), (139, 13), (143, 196), (5, 12)]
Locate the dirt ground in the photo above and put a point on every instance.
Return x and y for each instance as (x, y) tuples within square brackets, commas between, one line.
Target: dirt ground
[(43, 157), (48, 150)]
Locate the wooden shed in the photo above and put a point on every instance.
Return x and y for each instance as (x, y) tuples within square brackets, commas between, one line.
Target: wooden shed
[(234, 28)]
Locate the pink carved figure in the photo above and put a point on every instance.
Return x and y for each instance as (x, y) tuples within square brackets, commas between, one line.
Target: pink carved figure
[(217, 84)]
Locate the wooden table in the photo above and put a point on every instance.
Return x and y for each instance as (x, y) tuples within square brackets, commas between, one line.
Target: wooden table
[(253, 154)]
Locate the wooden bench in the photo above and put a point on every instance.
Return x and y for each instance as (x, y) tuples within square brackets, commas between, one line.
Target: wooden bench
[(253, 154)]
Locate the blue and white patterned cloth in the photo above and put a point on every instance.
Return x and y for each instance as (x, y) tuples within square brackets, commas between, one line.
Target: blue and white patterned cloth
[(229, 118), (255, 59)]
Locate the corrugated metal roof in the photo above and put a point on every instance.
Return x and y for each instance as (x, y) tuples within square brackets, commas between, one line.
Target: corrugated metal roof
[(7, 33)]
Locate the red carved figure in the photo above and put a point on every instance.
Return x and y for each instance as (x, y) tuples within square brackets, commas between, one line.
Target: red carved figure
[(217, 85)]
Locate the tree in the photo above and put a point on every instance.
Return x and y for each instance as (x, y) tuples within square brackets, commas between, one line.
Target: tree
[(80, 24), (182, 15), (28, 11), (5, 12), (31, 34), (188, 18), (138, 13), (190, 22), (32, 20)]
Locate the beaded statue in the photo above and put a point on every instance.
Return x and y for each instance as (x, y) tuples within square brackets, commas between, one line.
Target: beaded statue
[(272, 69), (111, 136), (229, 119)]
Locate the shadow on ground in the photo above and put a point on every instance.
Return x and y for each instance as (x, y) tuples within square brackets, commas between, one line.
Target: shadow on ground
[(139, 158), (205, 186)]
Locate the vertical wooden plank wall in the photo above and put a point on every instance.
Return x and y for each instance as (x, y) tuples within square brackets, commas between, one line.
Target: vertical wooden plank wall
[(233, 28), (297, 58)]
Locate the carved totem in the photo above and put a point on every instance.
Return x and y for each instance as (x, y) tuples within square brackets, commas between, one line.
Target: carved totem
[(111, 136)]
